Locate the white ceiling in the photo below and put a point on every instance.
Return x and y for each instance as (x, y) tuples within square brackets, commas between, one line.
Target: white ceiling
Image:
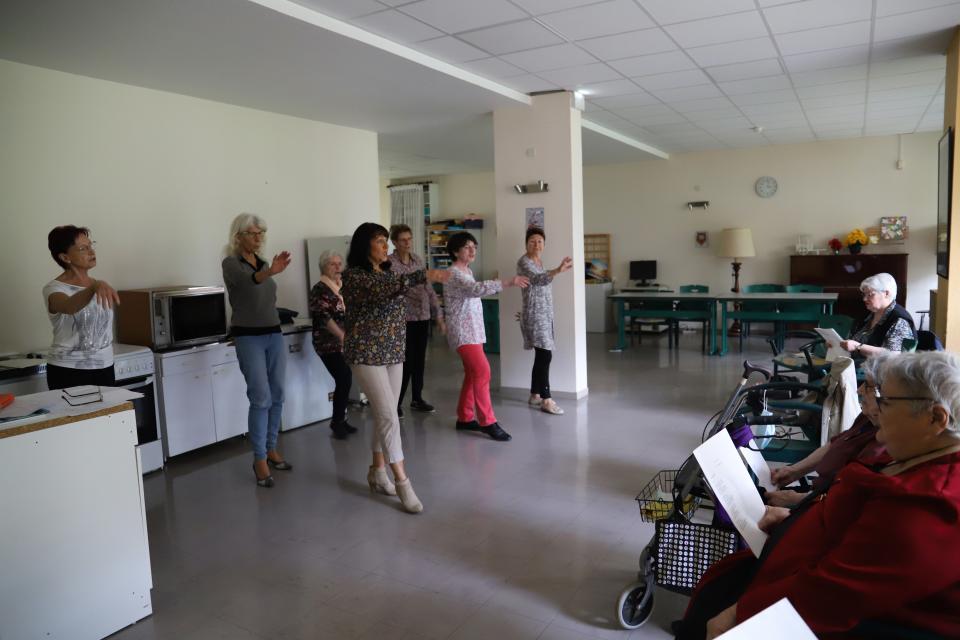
[(678, 75)]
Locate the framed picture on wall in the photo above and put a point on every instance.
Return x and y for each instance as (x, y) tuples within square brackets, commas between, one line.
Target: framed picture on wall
[(944, 201)]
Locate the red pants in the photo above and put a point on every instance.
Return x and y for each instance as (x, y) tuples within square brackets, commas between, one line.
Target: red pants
[(476, 387)]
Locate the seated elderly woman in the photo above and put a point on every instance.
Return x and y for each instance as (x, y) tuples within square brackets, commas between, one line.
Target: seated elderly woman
[(888, 323), (874, 556)]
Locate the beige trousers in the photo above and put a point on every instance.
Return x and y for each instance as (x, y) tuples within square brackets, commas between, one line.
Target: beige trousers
[(382, 386)]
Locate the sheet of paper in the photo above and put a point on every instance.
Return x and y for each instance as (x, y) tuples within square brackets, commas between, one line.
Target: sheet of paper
[(83, 390), (758, 465), (29, 405), (780, 620), (732, 485), (50, 404), (833, 340)]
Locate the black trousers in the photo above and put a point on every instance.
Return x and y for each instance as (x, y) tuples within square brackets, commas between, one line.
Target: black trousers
[(63, 377), (540, 379), (418, 332), (337, 365)]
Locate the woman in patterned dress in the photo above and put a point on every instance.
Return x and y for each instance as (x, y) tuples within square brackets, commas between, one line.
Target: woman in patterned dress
[(888, 323), (374, 345), (465, 334), (536, 318)]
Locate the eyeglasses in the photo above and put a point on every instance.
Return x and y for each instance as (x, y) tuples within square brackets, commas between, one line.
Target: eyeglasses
[(883, 401), (254, 234), (86, 248)]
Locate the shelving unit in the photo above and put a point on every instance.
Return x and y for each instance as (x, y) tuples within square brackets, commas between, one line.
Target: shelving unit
[(596, 246)]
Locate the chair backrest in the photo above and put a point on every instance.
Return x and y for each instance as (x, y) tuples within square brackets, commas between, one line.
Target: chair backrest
[(909, 345), (843, 325), (694, 288), (764, 288), (804, 288), (928, 341)]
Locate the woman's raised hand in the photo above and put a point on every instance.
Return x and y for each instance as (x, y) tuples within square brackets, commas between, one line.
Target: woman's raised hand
[(517, 281), (280, 262), (565, 265), (106, 295), (438, 275)]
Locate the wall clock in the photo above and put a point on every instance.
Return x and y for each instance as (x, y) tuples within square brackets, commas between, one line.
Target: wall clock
[(765, 187)]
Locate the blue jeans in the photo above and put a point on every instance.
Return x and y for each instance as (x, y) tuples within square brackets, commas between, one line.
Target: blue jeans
[(263, 361)]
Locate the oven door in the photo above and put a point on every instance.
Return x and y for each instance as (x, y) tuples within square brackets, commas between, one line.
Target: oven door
[(148, 430)]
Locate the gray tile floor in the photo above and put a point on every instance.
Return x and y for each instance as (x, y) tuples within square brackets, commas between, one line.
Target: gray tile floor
[(534, 538)]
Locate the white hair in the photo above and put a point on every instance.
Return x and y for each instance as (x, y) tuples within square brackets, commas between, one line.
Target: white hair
[(241, 223), (873, 366), (932, 374), (327, 256), (880, 283)]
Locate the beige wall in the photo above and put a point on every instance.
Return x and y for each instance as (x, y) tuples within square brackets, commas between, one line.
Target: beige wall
[(158, 177), (826, 189)]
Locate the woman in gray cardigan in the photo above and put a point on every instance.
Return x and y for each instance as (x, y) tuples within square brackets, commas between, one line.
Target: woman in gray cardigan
[(536, 318)]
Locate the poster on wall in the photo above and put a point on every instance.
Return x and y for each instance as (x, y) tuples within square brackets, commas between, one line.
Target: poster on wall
[(702, 240), (535, 217)]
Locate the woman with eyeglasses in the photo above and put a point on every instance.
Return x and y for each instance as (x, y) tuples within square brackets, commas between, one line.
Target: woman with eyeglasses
[(80, 308), (888, 324), (255, 329), (872, 557)]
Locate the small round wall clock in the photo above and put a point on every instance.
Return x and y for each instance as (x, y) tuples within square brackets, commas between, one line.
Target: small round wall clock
[(765, 187)]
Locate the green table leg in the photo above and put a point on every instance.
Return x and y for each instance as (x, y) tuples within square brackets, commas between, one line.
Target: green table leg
[(713, 330), (723, 328), (621, 334)]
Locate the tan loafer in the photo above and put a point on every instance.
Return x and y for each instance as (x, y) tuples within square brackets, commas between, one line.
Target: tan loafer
[(549, 406), (535, 400)]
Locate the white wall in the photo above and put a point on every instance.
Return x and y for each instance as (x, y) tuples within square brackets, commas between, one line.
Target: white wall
[(158, 177)]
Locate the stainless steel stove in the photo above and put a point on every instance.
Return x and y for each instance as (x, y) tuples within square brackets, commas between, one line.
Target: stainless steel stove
[(133, 369)]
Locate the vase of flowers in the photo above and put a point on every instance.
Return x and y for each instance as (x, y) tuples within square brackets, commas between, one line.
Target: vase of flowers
[(835, 245), (855, 241)]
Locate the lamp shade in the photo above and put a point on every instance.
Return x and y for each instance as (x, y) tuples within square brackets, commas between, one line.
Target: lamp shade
[(736, 243)]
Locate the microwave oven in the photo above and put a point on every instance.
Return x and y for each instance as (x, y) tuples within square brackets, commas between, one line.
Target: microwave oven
[(164, 318)]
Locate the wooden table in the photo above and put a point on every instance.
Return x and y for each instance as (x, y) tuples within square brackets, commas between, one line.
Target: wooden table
[(623, 301), (728, 311)]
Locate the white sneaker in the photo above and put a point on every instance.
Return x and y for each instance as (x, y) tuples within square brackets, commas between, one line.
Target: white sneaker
[(535, 400)]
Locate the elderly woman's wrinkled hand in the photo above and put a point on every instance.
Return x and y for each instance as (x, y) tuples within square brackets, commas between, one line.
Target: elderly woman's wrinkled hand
[(772, 517), (722, 622), (783, 498), (782, 476), (849, 345)]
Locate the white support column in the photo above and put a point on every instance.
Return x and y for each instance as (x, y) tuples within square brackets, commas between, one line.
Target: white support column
[(542, 142)]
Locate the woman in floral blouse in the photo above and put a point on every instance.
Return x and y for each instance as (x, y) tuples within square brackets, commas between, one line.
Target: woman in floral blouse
[(465, 334), (374, 345), (329, 314)]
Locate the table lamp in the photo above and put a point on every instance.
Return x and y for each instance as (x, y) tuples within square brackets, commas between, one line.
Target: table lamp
[(736, 243)]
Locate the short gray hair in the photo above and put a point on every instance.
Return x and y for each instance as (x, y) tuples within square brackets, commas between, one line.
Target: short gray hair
[(880, 282), (933, 374), (873, 366), (241, 223), (327, 256)]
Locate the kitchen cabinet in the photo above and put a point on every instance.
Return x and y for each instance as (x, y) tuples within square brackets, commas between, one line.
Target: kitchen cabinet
[(230, 404), (186, 412), (308, 389)]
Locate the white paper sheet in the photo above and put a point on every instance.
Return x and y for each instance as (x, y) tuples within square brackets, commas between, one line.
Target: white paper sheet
[(833, 340), (780, 620), (732, 485), (758, 465), (56, 406)]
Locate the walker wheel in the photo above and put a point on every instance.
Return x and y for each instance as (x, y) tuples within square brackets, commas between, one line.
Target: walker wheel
[(635, 604)]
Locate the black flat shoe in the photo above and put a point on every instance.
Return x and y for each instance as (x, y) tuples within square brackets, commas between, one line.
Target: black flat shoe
[(496, 432), (266, 483), (283, 465), (399, 412), (473, 425), (349, 427), (340, 430), (420, 405)]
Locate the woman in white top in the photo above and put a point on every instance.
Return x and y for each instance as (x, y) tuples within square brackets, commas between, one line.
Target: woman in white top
[(80, 309)]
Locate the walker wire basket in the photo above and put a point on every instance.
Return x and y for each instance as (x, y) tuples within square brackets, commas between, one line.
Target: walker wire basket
[(656, 499), (685, 550)]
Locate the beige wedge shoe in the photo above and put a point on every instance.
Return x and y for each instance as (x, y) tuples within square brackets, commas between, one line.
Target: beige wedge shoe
[(408, 498), (380, 482)]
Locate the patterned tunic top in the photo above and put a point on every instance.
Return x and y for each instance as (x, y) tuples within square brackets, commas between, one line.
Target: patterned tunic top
[(325, 305), (895, 335), (536, 316), (376, 332), (421, 300), (461, 297)]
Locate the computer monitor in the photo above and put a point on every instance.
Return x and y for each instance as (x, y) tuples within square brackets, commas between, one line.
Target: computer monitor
[(643, 271)]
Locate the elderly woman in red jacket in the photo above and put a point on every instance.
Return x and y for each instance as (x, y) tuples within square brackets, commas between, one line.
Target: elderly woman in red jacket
[(876, 556)]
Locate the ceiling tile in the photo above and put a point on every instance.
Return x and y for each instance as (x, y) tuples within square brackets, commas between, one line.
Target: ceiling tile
[(881, 113), (890, 128), (899, 103), (890, 7), (755, 85), (727, 124), (791, 108), (645, 111), (843, 57), (639, 99), (461, 15), (450, 49), (732, 52), (508, 38), (902, 93), (653, 64), (606, 18), (919, 78), (857, 99), (707, 104), (771, 3), (827, 76), (581, 74), (908, 65), (739, 26), (667, 11), (536, 7), (744, 70), (343, 9), (715, 114), (780, 120), (633, 43), (547, 58), (766, 97), (835, 114), (841, 35), (836, 134), (529, 83), (492, 68), (609, 88), (853, 87), (687, 93), (789, 136), (396, 26), (653, 120), (816, 13), (916, 22), (687, 78)]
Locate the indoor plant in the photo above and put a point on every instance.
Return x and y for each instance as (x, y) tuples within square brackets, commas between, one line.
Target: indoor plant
[(855, 240), (835, 245)]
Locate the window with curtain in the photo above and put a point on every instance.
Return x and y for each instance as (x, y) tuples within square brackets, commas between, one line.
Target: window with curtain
[(406, 207)]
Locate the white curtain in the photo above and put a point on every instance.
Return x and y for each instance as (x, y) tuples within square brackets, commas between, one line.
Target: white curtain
[(406, 207)]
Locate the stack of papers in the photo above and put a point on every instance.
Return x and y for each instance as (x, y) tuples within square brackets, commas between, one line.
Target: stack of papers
[(85, 394), (780, 620)]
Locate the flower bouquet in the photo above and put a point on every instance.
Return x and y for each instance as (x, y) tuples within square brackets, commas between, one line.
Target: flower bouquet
[(835, 245), (855, 240)]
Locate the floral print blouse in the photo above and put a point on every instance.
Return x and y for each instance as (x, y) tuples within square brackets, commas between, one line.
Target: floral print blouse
[(325, 305), (893, 341), (376, 329), (421, 300), (461, 297), (536, 317)]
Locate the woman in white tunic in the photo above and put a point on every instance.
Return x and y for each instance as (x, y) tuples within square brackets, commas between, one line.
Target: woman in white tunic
[(536, 318)]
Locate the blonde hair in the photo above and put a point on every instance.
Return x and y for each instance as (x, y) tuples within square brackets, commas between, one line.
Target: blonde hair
[(239, 224)]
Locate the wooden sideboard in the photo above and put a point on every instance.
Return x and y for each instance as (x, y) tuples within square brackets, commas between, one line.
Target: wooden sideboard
[(842, 274)]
